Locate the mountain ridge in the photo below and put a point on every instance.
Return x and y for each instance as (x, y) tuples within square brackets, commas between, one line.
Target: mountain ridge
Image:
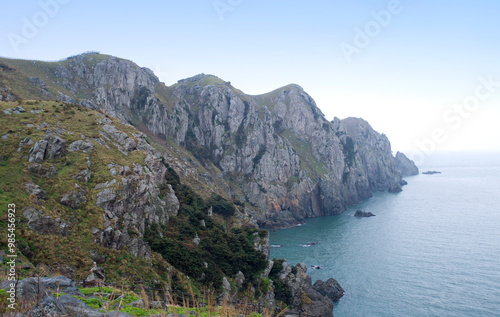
[(284, 159)]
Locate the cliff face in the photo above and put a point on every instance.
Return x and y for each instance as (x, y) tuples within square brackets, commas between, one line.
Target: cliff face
[(275, 153)]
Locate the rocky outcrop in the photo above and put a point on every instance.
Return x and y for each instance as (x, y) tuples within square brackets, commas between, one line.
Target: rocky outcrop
[(329, 288), (41, 295), (37, 191), (305, 297), (41, 85), (405, 166), (51, 147), (30, 289), (431, 172), (40, 170), (42, 224), (81, 145), (75, 198), (137, 197), (363, 214)]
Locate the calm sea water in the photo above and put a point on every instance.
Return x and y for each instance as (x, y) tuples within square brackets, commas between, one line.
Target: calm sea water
[(432, 250)]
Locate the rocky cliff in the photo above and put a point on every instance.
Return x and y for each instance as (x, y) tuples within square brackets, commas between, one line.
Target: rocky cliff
[(275, 153), (406, 166)]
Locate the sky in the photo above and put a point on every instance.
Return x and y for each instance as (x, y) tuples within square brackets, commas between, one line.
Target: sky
[(425, 73)]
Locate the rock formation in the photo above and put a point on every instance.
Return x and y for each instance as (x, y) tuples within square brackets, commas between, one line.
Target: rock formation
[(405, 166), (363, 214)]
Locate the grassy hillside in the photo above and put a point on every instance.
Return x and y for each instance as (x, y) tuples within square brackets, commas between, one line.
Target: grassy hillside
[(71, 251), (223, 249)]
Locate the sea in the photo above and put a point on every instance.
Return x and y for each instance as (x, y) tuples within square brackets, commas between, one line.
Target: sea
[(431, 250)]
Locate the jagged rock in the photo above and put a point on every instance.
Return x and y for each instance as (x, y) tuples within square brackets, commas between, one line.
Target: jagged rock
[(136, 200), (75, 198), (42, 224), (363, 214), (40, 170), (83, 176), (34, 189), (405, 166), (51, 147), (329, 288), (239, 279), (127, 143), (81, 145), (37, 152), (196, 240), (304, 295)]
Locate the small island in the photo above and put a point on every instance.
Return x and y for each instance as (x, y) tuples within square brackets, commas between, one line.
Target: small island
[(363, 214), (431, 172)]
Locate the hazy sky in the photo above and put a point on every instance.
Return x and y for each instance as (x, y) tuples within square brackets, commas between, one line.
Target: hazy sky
[(426, 73)]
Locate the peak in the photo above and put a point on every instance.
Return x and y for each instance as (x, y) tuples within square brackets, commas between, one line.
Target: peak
[(89, 54), (294, 87), (203, 79)]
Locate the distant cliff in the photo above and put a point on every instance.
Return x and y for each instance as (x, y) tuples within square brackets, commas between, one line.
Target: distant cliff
[(405, 166), (275, 154)]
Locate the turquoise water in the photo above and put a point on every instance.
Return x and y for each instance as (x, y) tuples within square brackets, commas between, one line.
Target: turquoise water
[(432, 250)]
